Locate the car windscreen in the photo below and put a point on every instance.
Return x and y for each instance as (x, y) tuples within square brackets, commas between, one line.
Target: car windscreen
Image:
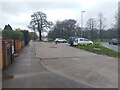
[(81, 39)]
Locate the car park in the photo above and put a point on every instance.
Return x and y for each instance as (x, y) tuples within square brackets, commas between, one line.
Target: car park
[(60, 40)]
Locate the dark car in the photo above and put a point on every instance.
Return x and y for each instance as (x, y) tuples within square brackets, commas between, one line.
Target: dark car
[(114, 41), (71, 40)]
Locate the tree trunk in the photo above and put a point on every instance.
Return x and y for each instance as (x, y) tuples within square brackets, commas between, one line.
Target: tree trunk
[(92, 34), (40, 39), (39, 30), (101, 35)]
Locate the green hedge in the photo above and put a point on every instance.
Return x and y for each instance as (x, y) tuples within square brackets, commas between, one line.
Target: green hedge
[(10, 34), (26, 36)]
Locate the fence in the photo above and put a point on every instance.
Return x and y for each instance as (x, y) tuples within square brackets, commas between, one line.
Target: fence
[(8, 49), (7, 53), (18, 45)]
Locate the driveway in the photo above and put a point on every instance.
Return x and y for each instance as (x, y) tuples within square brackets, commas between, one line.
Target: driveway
[(81, 66)]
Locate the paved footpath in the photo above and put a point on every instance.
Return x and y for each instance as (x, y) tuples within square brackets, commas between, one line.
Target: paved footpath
[(29, 72)]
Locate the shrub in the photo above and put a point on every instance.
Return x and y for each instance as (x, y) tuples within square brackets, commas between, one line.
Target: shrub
[(10, 34), (26, 36), (33, 36)]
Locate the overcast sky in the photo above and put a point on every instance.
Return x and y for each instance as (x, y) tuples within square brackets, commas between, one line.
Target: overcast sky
[(17, 12)]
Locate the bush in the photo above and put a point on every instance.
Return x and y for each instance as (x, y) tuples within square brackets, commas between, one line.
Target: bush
[(7, 34), (17, 35), (10, 34), (26, 37), (33, 36)]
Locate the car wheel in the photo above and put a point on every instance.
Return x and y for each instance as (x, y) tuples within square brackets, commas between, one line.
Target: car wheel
[(71, 44)]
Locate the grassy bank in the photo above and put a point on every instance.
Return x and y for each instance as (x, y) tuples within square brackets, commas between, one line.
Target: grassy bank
[(98, 49)]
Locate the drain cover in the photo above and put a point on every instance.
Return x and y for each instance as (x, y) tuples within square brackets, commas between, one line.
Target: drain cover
[(7, 77)]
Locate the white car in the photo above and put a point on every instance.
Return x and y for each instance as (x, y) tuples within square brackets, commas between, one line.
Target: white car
[(82, 41), (60, 40)]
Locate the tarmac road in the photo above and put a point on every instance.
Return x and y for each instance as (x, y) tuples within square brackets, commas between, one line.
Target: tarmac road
[(29, 72), (110, 46)]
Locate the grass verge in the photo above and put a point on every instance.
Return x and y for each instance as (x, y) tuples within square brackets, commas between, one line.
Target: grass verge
[(98, 49)]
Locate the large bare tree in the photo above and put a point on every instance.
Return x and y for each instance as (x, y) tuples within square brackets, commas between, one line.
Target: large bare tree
[(39, 22)]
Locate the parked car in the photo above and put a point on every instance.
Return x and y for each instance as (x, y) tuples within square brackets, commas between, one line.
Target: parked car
[(82, 41), (71, 40), (114, 41), (60, 40)]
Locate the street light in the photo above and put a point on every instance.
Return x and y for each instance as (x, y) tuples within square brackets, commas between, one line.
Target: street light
[(82, 21)]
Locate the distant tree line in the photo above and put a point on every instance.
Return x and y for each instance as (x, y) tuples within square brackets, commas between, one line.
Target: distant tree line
[(105, 34), (63, 29), (59, 31), (95, 29), (18, 34)]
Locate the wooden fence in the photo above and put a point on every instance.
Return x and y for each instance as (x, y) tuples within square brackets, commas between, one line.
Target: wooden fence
[(8, 49), (18, 44)]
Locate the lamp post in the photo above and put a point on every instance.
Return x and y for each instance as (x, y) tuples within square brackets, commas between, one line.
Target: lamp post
[(82, 21)]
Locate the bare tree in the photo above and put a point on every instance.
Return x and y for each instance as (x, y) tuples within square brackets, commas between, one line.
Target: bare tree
[(91, 23), (101, 24), (39, 22)]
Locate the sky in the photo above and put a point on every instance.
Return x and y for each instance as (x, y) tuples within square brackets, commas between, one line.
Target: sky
[(18, 13)]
